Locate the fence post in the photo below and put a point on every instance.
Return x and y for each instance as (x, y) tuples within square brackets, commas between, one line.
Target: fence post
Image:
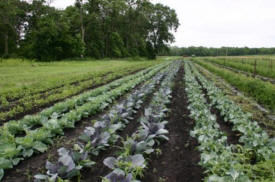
[(271, 64), (255, 68)]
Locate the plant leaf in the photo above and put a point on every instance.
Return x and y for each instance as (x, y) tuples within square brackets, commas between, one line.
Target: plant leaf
[(110, 162)]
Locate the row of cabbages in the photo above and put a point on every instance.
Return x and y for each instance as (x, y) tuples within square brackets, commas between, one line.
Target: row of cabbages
[(217, 157), (39, 130), (256, 147), (129, 165), (102, 134), (253, 136)]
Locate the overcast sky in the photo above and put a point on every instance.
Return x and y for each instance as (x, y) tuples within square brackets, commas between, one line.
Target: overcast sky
[(216, 23)]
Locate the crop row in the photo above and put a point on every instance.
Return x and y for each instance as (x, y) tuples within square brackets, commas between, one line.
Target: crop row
[(254, 139), (28, 99), (101, 135), (217, 157), (53, 121), (17, 93), (259, 113), (262, 92), (252, 135), (77, 101), (253, 160), (131, 162)]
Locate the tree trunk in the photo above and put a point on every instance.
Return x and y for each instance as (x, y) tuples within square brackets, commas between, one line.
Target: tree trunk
[(6, 45), (82, 26)]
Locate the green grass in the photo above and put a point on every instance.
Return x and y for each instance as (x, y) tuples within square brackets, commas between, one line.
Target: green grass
[(17, 74), (262, 92), (25, 85), (265, 65)]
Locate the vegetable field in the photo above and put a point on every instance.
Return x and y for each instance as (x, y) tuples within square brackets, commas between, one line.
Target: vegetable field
[(161, 121), (27, 87), (258, 65), (261, 91)]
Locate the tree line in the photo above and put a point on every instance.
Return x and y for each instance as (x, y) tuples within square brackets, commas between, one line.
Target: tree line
[(223, 51), (94, 28)]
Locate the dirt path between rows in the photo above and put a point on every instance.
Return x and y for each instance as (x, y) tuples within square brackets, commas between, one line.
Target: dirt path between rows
[(179, 159)]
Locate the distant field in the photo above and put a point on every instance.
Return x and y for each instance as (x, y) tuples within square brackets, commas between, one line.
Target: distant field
[(261, 65), (27, 86), (262, 91)]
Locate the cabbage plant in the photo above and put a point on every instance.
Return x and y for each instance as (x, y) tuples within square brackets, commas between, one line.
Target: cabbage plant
[(69, 165), (133, 164)]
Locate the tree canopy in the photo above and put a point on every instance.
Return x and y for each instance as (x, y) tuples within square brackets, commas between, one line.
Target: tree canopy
[(94, 28)]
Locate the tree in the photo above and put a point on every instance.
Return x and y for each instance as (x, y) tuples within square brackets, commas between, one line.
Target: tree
[(12, 18), (79, 5), (94, 28), (52, 40), (162, 20)]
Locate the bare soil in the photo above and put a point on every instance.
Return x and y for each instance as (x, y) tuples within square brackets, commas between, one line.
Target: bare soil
[(179, 159)]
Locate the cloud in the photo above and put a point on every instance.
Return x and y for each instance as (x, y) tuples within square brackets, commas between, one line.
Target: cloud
[(216, 23)]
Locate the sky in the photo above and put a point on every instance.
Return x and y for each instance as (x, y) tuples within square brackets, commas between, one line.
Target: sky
[(217, 23)]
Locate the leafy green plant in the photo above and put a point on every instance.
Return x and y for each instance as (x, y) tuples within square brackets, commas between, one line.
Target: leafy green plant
[(69, 165), (53, 123), (103, 132)]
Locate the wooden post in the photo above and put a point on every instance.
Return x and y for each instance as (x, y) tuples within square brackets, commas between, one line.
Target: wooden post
[(226, 52), (255, 68), (271, 65), (6, 45)]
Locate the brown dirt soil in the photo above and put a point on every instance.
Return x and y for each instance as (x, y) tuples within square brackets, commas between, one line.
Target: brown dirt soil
[(179, 159)]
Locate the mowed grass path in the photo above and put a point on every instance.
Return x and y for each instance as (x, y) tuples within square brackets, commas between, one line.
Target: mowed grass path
[(17, 74)]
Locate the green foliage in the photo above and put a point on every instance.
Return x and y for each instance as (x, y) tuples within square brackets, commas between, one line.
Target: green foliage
[(265, 65), (224, 162), (98, 28), (26, 84), (116, 44), (62, 115), (12, 18), (262, 92), (52, 40)]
